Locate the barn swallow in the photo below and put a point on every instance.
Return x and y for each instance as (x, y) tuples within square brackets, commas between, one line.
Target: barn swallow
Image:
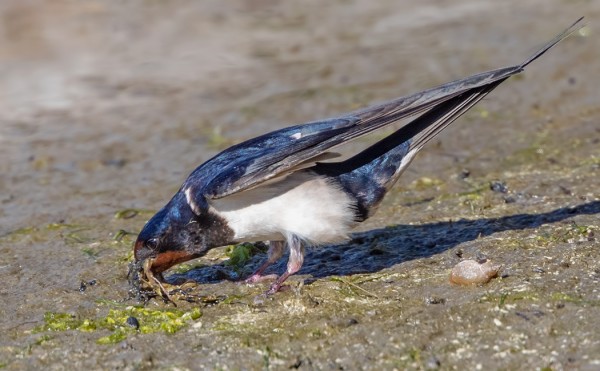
[(282, 187)]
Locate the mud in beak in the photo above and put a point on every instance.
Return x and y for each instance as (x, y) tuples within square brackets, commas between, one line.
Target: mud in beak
[(143, 281)]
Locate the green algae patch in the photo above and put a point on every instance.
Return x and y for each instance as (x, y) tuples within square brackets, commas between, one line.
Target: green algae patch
[(132, 213), (185, 267), (121, 234), (60, 322), (71, 234), (504, 298), (60, 226), (76, 236), (126, 214), (566, 234), (574, 299), (240, 254), (425, 182), (355, 289), (119, 323), (31, 233)]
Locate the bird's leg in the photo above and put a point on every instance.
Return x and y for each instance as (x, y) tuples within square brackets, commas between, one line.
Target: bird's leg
[(275, 252), (294, 263)]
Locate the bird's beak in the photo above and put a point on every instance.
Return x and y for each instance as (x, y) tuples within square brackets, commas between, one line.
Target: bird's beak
[(166, 260)]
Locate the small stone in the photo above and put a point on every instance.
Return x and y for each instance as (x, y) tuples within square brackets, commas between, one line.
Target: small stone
[(435, 300), (469, 272), (352, 322), (133, 322), (433, 363), (509, 200), (498, 186)]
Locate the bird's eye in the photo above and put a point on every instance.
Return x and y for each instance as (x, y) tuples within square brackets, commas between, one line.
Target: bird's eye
[(152, 243)]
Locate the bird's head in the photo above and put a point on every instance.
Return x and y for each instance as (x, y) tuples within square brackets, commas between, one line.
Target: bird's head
[(172, 236)]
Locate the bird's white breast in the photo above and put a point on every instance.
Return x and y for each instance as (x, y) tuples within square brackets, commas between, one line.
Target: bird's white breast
[(303, 203)]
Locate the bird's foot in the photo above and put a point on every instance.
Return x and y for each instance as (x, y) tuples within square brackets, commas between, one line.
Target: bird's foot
[(257, 277), (278, 284), (275, 287)]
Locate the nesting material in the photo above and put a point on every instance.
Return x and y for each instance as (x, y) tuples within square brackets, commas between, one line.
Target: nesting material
[(469, 272)]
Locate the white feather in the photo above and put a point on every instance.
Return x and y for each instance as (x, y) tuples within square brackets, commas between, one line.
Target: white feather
[(302, 204)]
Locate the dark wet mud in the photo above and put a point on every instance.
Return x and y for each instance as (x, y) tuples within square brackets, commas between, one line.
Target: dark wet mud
[(106, 107)]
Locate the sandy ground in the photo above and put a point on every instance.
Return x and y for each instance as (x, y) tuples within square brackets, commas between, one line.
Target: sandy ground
[(107, 106)]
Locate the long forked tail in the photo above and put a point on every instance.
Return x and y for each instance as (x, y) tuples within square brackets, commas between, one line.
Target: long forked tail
[(302, 144), (385, 113), (576, 26), (369, 174), (428, 125)]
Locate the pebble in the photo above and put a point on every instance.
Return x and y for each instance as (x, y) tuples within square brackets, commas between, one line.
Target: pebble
[(469, 272), (133, 322)]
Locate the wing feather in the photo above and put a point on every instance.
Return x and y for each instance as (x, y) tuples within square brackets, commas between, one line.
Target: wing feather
[(260, 159)]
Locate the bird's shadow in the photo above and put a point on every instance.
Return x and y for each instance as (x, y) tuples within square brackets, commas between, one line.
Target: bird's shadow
[(376, 249)]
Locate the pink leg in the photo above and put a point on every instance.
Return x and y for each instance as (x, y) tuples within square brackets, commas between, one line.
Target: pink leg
[(275, 252), (294, 263)]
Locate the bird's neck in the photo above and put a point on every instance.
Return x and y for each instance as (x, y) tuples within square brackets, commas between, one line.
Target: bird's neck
[(215, 230)]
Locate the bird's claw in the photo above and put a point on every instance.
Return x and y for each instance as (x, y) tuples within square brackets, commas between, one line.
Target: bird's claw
[(255, 278)]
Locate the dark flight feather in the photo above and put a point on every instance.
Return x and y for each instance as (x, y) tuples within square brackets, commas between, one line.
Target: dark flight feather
[(274, 154)]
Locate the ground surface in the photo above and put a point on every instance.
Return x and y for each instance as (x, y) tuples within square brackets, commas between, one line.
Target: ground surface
[(107, 106)]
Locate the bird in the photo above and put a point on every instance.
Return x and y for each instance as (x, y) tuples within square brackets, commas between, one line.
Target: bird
[(284, 188)]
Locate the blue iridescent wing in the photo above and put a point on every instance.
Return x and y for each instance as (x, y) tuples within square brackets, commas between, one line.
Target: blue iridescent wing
[(263, 158), (257, 160)]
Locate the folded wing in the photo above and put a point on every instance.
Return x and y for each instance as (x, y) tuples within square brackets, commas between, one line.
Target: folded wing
[(278, 153)]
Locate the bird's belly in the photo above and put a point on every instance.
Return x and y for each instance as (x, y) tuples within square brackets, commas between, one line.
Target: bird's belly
[(303, 204)]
